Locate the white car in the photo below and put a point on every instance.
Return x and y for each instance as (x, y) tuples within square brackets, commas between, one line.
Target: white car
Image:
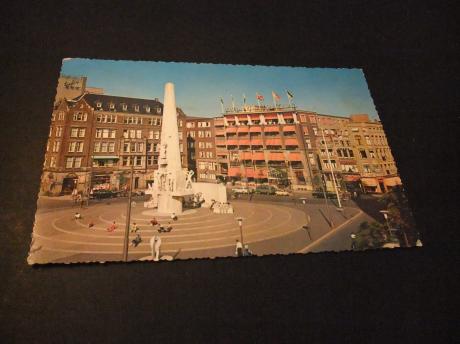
[(282, 193), (240, 190)]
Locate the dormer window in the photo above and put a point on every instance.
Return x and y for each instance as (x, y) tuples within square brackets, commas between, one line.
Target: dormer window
[(158, 110), (98, 105), (112, 106), (147, 109), (125, 107), (136, 108)]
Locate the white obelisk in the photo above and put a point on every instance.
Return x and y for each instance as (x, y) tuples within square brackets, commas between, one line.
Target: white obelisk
[(170, 179)]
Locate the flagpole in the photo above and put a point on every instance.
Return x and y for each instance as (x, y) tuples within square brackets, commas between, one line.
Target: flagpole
[(233, 103), (222, 104), (258, 100), (289, 98), (274, 101)]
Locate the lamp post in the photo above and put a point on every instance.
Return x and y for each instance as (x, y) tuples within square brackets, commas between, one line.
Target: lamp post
[(128, 217), (240, 223)]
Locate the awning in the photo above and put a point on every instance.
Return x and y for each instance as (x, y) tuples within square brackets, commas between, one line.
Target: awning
[(258, 156), (255, 129), (295, 156), (273, 142), (271, 116), (234, 171), (256, 143), (245, 155), (393, 181), (231, 129), (243, 130), (369, 181), (243, 142), (220, 132), (249, 172), (272, 129), (288, 115), (289, 128), (232, 142), (351, 178), (243, 117), (105, 157), (347, 161), (291, 142), (276, 157)]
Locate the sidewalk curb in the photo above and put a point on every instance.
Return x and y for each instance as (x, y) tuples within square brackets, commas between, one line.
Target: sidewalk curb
[(328, 234)]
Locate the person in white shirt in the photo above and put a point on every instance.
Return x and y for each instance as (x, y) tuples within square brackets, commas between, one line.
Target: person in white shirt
[(238, 248)]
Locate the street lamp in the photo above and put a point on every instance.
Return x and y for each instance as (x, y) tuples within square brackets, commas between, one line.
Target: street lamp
[(128, 217), (240, 223)]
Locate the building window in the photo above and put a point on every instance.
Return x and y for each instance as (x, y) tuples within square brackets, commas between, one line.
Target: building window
[(158, 110), (76, 146), (98, 105), (56, 145), (53, 161), (106, 118), (125, 107), (53, 116), (59, 131), (80, 116), (112, 106), (147, 109), (73, 162), (77, 132), (363, 154), (61, 115), (136, 108), (372, 154), (190, 125), (105, 133)]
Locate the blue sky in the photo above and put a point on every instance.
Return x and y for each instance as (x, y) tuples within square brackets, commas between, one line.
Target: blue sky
[(199, 86)]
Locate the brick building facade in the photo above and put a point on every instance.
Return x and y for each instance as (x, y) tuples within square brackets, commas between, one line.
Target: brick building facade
[(95, 139)]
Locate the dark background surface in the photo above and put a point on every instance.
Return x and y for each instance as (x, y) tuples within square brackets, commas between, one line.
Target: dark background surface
[(407, 50)]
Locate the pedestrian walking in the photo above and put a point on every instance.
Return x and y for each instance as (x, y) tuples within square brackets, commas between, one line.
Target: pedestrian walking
[(74, 195), (174, 217), (77, 216), (238, 248), (153, 222), (112, 227), (90, 224)]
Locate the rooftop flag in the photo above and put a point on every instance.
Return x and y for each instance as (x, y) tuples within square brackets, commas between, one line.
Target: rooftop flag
[(275, 96), (259, 96), (289, 94)]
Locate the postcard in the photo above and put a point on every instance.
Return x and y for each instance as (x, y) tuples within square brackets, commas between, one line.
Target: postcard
[(161, 161)]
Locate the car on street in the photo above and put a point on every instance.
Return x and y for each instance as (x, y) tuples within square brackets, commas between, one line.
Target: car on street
[(240, 190), (265, 190), (282, 193)]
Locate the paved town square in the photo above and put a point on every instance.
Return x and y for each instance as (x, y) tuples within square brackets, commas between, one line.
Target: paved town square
[(269, 227)]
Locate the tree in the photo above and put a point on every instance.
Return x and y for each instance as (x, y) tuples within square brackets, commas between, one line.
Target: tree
[(399, 213), (370, 235), (281, 176)]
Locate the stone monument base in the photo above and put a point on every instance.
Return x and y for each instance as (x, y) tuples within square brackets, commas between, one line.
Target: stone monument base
[(209, 191)]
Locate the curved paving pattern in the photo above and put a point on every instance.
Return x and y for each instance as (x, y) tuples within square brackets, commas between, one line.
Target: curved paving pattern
[(58, 237)]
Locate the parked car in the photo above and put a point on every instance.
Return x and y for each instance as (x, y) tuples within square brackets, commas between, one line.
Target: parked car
[(100, 194), (240, 190), (265, 190), (282, 193)]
